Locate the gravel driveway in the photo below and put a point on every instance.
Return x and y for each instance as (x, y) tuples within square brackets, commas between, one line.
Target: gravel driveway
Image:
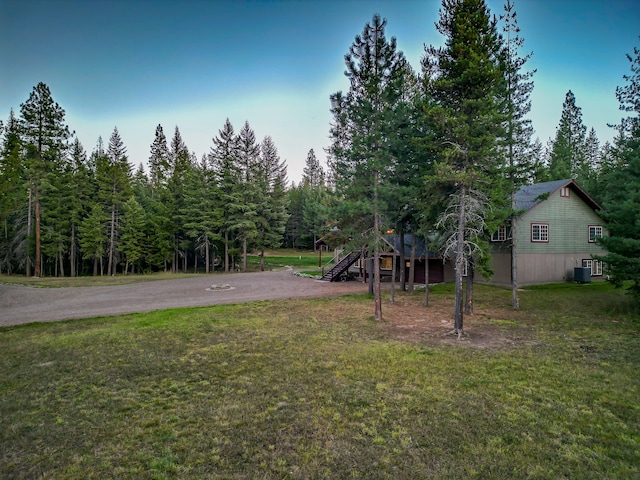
[(20, 304)]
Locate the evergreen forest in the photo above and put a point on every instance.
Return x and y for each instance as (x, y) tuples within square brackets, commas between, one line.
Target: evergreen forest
[(439, 147)]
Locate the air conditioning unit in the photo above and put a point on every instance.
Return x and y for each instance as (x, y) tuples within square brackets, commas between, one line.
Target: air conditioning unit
[(582, 275)]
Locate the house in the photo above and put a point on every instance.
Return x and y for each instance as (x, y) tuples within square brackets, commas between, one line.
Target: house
[(436, 267), (358, 267), (555, 232), (556, 228)]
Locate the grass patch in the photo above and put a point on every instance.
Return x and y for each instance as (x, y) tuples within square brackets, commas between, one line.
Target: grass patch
[(278, 259), (273, 260), (311, 389)]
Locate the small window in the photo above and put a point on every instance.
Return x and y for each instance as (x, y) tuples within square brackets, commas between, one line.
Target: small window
[(594, 265), (539, 232), (500, 235), (564, 192), (386, 263), (595, 231)]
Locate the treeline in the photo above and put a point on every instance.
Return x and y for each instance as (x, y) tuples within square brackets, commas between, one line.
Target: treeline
[(64, 212)]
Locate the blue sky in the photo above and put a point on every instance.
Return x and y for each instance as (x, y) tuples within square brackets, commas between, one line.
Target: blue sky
[(191, 64)]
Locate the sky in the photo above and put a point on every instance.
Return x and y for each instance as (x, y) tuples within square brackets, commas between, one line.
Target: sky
[(134, 64)]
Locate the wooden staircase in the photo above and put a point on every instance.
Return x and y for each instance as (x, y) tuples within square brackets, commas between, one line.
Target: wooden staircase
[(341, 267)]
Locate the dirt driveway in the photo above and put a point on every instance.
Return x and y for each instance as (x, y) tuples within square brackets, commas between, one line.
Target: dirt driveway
[(19, 304)]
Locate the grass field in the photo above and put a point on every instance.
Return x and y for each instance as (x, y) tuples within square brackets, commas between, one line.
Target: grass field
[(315, 389), (273, 260)]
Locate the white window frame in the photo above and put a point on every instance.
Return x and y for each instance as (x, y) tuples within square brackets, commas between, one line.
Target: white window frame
[(500, 235), (564, 192), (542, 232), (597, 232), (594, 265)]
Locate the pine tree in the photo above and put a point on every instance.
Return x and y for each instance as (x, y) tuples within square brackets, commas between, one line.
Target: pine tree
[(464, 83), (56, 216), (81, 188), (159, 160), (270, 180), (202, 215), (45, 134), (159, 223), (622, 196), (312, 174), (314, 200), (92, 233), (568, 151), (248, 156), (132, 237), (362, 126), (179, 167), (294, 228), (587, 173), (225, 166), (113, 174), (518, 128), (12, 198)]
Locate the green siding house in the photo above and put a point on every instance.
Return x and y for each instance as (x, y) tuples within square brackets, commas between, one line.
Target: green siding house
[(555, 232)]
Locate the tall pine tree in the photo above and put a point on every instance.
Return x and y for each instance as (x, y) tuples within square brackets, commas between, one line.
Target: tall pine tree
[(464, 82), (45, 133), (223, 158), (363, 125), (518, 127), (568, 148), (622, 196)]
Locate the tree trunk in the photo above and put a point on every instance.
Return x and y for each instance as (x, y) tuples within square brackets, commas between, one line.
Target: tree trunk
[(403, 277), (392, 296), (515, 301), (244, 254), (95, 266), (262, 260), (207, 259), (61, 259), (426, 271), (468, 304), (72, 251), (38, 267), (376, 251), (112, 238), (226, 251), (195, 261), (28, 266), (458, 314), (412, 264)]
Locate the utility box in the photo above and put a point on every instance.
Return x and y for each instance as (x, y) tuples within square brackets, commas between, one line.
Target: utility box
[(582, 274)]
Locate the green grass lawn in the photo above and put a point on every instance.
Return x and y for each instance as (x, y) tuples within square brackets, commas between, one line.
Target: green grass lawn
[(315, 389), (277, 259)]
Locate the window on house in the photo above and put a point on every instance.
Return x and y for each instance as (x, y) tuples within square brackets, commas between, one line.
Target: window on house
[(539, 232), (500, 235), (386, 263), (594, 265), (564, 192), (594, 232)]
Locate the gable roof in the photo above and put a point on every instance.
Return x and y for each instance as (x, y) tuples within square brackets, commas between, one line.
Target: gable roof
[(528, 196), (394, 242)]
